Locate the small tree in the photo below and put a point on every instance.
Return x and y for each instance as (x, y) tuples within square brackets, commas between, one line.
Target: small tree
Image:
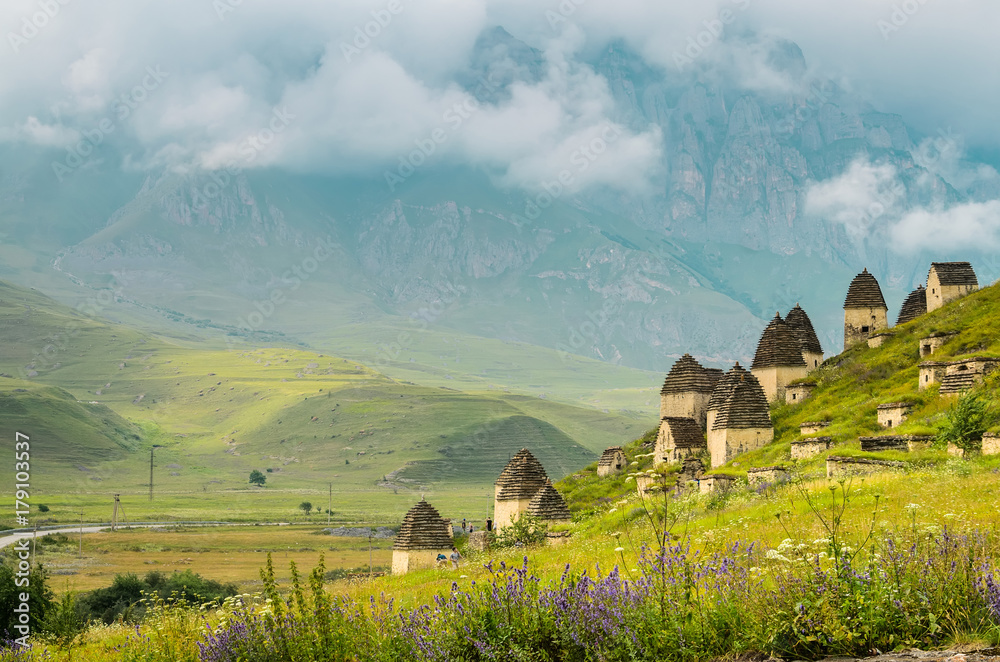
[(966, 422), (306, 507), (525, 530), (257, 478)]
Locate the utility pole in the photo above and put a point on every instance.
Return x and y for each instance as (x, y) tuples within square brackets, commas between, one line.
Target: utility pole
[(152, 448), (114, 515), (329, 506)]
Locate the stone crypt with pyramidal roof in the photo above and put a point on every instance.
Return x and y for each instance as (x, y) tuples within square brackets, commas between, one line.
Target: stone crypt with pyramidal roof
[(520, 482), (423, 535)]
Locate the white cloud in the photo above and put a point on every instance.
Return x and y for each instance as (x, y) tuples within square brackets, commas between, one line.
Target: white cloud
[(972, 226), (227, 77), (858, 197)]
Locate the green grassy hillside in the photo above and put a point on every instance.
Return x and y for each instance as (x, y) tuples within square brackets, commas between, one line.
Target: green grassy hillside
[(99, 396)]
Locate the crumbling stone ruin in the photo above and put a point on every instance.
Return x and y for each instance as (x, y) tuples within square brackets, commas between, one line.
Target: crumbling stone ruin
[(955, 376), (806, 448), (739, 416), (612, 461), (865, 312), (717, 483), (934, 342), (844, 467), (423, 535), (778, 360), (960, 376), (991, 443), (678, 438), (691, 471), (914, 306), (796, 393), (687, 389), (812, 427), (518, 483), (947, 281), (768, 475), (892, 414)]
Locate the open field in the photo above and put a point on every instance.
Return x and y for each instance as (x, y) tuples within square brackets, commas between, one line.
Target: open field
[(225, 554)]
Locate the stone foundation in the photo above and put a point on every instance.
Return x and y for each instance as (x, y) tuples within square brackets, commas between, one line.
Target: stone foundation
[(842, 467), (991, 443), (812, 427), (806, 448), (768, 475), (886, 443), (417, 559), (709, 484)]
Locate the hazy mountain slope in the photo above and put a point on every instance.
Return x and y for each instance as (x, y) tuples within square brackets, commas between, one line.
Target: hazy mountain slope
[(101, 395)]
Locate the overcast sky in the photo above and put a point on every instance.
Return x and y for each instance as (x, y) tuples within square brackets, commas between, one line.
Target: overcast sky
[(200, 76)]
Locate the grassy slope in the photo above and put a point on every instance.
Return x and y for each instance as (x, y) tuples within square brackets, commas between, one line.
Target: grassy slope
[(312, 419), (936, 492)]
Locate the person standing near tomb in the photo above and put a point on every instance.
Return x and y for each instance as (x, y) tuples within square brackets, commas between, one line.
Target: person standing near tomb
[(455, 556)]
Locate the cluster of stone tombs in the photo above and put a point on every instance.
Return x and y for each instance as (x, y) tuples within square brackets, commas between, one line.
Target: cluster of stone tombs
[(703, 412)]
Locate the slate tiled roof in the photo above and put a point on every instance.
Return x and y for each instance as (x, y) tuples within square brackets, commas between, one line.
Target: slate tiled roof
[(686, 432), (744, 405), (548, 504), (864, 292), (521, 478), (688, 375), (914, 306), (423, 528), (724, 385), (803, 327), (779, 346), (609, 455), (895, 405), (955, 273)]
